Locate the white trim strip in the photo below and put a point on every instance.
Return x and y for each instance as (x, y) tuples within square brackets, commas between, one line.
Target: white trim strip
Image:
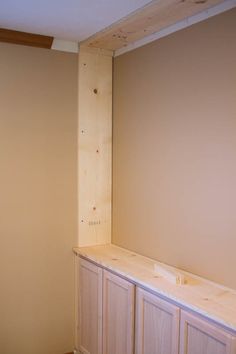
[(65, 46), (215, 10)]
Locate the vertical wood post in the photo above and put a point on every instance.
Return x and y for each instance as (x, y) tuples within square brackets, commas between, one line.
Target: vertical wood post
[(95, 146)]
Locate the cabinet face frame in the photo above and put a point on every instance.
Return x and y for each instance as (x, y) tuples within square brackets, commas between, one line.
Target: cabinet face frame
[(109, 277), (207, 328), (99, 272), (142, 296)]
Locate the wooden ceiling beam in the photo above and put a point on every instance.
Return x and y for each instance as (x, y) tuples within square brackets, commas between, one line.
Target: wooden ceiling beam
[(24, 38), (155, 16)]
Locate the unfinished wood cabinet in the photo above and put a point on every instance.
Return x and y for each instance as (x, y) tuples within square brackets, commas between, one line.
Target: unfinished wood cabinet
[(107, 312), (157, 325), (198, 336), (118, 314), (90, 308)]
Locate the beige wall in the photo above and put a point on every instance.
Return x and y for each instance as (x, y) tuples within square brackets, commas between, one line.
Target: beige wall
[(175, 149), (38, 118)]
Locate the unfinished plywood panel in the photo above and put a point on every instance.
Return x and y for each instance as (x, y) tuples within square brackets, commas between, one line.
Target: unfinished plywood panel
[(155, 16), (95, 145)]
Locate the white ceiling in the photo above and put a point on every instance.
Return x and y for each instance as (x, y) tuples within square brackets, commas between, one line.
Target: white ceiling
[(72, 20)]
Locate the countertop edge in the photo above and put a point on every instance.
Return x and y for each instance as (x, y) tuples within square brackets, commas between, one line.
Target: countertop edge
[(157, 291)]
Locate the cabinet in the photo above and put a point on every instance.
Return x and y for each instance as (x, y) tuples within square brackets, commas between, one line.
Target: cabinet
[(118, 314), (198, 336), (106, 311), (90, 308), (109, 305), (157, 325)]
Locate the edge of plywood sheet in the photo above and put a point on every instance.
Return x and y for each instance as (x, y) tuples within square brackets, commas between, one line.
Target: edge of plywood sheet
[(151, 18), (95, 146), (213, 11)]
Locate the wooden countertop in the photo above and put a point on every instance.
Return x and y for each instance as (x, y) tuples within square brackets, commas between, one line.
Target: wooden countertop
[(209, 299)]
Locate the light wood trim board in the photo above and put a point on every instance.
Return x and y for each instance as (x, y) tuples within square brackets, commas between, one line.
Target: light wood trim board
[(153, 17), (95, 146)]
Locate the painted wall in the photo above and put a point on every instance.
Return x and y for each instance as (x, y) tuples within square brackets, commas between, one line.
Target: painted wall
[(38, 154), (174, 162)]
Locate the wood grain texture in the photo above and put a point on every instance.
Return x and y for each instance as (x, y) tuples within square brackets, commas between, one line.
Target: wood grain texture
[(95, 146), (213, 301), (157, 325), (118, 315), (24, 38), (200, 337), (90, 308), (153, 17)]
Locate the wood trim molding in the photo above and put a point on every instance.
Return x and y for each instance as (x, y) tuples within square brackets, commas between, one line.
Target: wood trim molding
[(24, 38), (155, 16)]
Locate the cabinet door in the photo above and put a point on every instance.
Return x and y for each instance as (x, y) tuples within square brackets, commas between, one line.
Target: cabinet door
[(200, 337), (118, 315), (90, 308), (157, 325)]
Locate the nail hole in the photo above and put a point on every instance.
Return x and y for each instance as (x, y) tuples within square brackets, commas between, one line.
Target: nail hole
[(95, 91)]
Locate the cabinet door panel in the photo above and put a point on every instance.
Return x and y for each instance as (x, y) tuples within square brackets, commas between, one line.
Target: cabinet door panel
[(90, 308), (118, 315), (200, 337), (157, 325)]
